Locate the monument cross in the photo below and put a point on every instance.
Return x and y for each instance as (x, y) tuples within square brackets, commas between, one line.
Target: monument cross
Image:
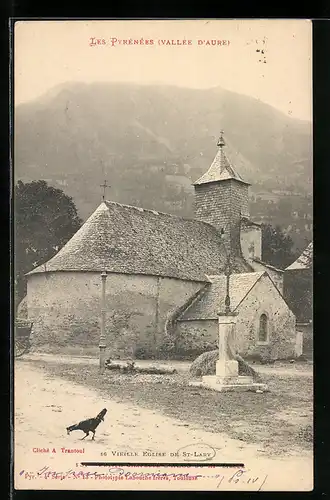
[(228, 273), (227, 377)]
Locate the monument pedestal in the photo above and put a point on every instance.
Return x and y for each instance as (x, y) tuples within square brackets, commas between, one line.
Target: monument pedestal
[(226, 378), (228, 368), (231, 384)]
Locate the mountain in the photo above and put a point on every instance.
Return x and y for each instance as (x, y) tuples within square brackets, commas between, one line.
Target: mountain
[(152, 142)]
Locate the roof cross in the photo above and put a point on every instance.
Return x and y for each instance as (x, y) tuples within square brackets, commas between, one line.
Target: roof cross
[(104, 186)]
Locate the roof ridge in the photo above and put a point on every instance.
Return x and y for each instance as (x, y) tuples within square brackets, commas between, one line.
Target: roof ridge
[(142, 209), (159, 212), (259, 261), (198, 296), (245, 218), (210, 276), (262, 273)]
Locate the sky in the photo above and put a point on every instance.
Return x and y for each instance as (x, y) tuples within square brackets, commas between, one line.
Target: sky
[(49, 53)]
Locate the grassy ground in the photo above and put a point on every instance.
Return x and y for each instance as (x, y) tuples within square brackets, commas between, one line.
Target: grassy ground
[(279, 420)]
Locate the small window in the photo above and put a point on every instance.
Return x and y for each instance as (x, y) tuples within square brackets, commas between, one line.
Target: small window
[(263, 328)]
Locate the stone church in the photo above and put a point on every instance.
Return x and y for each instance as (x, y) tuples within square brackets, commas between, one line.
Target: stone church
[(165, 280)]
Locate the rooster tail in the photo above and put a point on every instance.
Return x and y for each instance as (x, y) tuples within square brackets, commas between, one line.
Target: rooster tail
[(72, 428)]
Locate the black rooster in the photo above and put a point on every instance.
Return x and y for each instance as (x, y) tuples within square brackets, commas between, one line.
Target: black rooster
[(89, 425)]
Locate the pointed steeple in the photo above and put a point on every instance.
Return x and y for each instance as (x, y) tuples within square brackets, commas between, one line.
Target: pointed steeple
[(220, 169), (222, 157), (222, 198)]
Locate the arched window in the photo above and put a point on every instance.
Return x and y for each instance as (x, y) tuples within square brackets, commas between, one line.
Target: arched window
[(263, 328)]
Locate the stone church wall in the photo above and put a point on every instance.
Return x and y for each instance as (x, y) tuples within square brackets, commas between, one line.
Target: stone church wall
[(265, 299), (251, 242), (66, 308), (200, 336), (195, 337)]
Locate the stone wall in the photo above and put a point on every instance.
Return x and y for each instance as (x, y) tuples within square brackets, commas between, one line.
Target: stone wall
[(222, 204), (202, 335), (307, 332), (251, 238), (66, 310), (265, 299), (195, 337)]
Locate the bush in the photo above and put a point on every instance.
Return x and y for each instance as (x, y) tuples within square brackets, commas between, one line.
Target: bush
[(205, 364), (143, 353), (167, 348)]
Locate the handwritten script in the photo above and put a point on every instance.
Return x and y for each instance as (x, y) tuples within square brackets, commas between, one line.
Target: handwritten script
[(237, 478)]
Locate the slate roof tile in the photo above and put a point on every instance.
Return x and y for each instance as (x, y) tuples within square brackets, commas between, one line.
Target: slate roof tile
[(212, 300), (126, 239), (220, 170), (304, 261)]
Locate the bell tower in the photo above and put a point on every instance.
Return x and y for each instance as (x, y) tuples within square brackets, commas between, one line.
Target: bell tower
[(222, 198)]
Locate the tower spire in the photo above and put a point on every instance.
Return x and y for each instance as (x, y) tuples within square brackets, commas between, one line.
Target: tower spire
[(220, 169), (221, 143)]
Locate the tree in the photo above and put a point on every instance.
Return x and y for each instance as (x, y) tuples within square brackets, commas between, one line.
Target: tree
[(277, 247), (45, 218)]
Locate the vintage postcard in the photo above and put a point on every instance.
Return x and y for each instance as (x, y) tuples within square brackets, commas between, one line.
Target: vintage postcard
[(162, 190)]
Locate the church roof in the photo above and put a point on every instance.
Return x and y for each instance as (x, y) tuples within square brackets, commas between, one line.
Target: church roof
[(221, 169), (269, 266), (125, 239), (211, 301), (247, 222), (304, 261)]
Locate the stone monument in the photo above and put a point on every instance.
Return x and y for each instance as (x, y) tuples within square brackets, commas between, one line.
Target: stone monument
[(227, 377)]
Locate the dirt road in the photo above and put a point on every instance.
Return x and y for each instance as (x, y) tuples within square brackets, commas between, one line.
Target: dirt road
[(44, 407)]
